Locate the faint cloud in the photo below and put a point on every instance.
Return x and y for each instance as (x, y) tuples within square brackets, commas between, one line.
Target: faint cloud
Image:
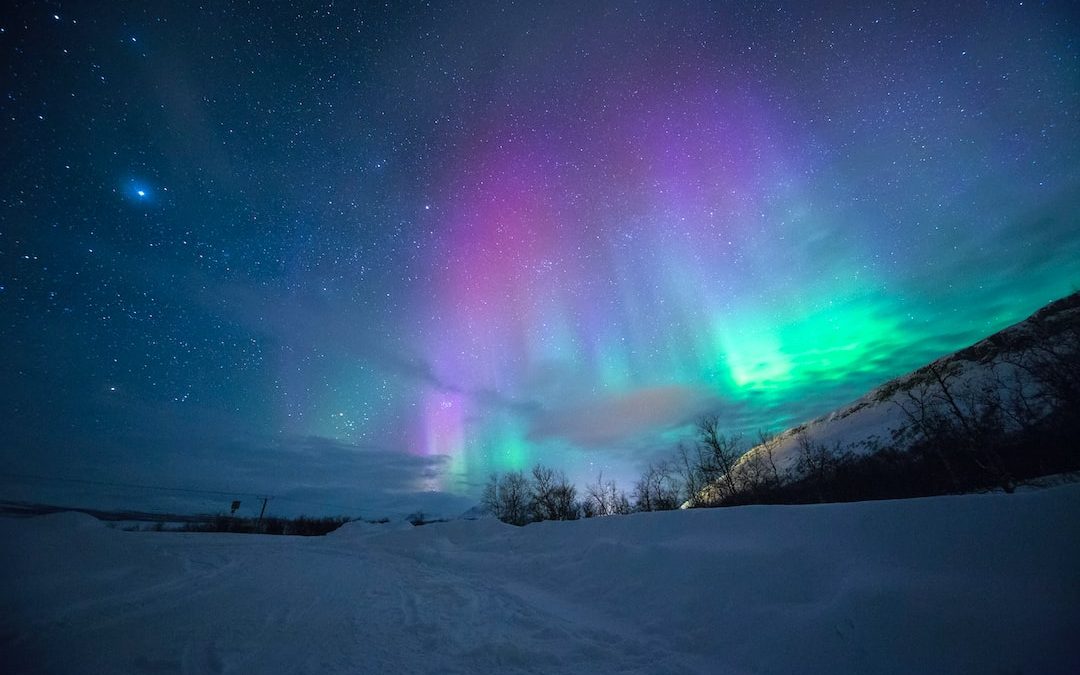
[(623, 418)]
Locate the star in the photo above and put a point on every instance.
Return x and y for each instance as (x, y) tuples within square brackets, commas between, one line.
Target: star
[(138, 190)]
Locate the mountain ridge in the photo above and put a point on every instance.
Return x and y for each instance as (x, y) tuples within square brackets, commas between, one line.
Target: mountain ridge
[(879, 415)]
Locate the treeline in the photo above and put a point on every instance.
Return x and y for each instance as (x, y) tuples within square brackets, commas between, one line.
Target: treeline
[(544, 494), (700, 474), (302, 526), (959, 434)]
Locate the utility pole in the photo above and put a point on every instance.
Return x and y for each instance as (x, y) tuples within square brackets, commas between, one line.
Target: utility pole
[(261, 512)]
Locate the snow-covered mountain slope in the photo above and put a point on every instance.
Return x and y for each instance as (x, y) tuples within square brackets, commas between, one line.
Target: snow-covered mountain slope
[(879, 416), (963, 584)]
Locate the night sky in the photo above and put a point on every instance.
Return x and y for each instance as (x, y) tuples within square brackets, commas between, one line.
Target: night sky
[(363, 257)]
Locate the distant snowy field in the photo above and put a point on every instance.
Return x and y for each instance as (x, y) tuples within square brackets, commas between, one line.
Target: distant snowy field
[(972, 584)]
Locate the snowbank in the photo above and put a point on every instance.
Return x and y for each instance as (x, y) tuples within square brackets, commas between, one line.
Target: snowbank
[(974, 584)]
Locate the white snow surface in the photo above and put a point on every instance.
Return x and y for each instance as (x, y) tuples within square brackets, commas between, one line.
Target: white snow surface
[(969, 584)]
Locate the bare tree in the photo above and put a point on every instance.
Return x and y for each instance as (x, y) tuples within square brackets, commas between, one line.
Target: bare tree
[(719, 454), (567, 506), (508, 497), (688, 464), (814, 464), (594, 502), (924, 422), (756, 472), (767, 444), (620, 503), (542, 493), (553, 497), (657, 489), (949, 416), (1022, 404), (605, 498), (588, 509), (1050, 360)]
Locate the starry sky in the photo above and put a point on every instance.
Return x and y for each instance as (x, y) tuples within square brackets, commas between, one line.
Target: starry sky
[(363, 256)]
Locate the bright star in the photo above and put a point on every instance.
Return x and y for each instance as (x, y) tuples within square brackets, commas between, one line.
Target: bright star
[(138, 190)]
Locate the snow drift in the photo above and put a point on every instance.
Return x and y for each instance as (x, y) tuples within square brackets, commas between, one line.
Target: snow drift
[(965, 584)]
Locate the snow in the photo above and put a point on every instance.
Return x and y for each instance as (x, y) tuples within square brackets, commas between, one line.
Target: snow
[(970, 584), (873, 419)]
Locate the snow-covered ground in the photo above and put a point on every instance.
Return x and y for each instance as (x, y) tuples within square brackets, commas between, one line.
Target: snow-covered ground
[(972, 584)]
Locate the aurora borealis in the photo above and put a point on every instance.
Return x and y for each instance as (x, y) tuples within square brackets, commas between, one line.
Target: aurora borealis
[(360, 254)]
